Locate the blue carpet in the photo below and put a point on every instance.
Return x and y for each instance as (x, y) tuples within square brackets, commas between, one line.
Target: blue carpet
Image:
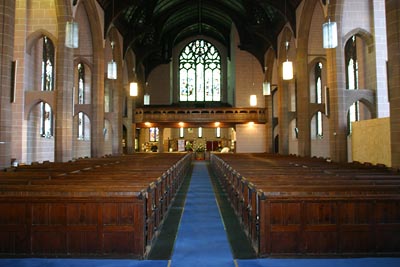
[(79, 263), (354, 262), (201, 239)]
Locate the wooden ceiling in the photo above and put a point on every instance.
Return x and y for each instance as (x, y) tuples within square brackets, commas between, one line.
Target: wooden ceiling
[(153, 27)]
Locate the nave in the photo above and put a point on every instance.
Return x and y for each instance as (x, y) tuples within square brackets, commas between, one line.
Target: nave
[(201, 239)]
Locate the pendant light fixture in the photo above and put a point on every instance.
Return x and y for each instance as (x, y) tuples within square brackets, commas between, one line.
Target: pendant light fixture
[(133, 86), (112, 65), (72, 34), (287, 66), (329, 32), (146, 97), (133, 89), (266, 88)]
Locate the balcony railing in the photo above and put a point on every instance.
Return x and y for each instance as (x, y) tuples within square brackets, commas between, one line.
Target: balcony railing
[(200, 115)]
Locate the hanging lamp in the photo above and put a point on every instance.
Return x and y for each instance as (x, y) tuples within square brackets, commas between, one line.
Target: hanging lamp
[(112, 66), (72, 34), (133, 89), (287, 67), (146, 97), (133, 86), (329, 32), (266, 88)]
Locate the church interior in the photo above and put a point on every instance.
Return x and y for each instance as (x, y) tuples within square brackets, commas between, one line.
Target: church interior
[(291, 107)]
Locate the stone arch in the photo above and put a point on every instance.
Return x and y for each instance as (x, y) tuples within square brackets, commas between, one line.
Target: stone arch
[(35, 36)]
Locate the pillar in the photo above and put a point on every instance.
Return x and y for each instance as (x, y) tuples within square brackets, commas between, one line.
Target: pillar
[(7, 17), (393, 41)]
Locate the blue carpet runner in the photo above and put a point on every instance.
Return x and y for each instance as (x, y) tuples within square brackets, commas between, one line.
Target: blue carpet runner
[(201, 239)]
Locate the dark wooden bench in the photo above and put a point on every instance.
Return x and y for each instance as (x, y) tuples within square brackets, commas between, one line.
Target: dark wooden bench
[(291, 205), (108, 207)]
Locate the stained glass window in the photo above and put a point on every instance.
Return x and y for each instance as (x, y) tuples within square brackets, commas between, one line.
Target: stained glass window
[(318, 98), (199, 72), (352, 78), (81, 100), (46, 125), (154, 134), (47, 65)]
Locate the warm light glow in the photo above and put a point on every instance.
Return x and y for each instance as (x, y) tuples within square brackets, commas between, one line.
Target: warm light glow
[(112, 70), (217, 123), (253, 100), (200, 132), (287, 70), (148, 124), (72, 34), (133, 89), (251, 123), (329, 32), (181, 124), (146, 99), (266, 88), (218, 132)]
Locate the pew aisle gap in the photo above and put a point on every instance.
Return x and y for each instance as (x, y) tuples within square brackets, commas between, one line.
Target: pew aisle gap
[(201, 239)]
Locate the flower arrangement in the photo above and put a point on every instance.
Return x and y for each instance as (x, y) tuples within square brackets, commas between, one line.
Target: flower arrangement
[(199, 148), (199, 145)]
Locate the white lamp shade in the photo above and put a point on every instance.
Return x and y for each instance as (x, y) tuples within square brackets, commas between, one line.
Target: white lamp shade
[(72, 34), (253, 100), (266, 88), (287, 70), (146, 99), (112, 70), (133, 89), (329, 32)]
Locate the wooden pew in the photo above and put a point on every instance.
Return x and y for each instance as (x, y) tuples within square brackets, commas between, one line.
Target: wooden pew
[(290, 205), (108, 207)]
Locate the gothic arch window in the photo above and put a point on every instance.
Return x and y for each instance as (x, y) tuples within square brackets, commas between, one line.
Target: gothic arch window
[(81, 100), (199, 72), (46, 121), (318, 98), (351, 63), (352, 78), (47, 65)]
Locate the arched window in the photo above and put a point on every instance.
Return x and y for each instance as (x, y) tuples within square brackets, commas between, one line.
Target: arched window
[(318, 98), (46, 123), (352, 78), (47, 78), (318, 83), (47, 65), (81, 100), (351, 63), (199, 72)]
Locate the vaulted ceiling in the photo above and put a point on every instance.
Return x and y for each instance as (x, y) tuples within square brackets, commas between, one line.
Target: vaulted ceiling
[(152, 27)]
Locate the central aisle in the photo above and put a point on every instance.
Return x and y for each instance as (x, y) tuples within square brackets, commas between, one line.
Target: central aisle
[(201, 239)]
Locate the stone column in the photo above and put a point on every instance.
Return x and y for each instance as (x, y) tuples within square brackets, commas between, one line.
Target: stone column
[(303, 102), (393, 40), (64, 88), (160, 139), (7, 22), (269, 130), (130, 129)]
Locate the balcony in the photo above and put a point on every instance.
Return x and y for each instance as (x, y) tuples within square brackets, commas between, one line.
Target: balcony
[(170, 117)]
